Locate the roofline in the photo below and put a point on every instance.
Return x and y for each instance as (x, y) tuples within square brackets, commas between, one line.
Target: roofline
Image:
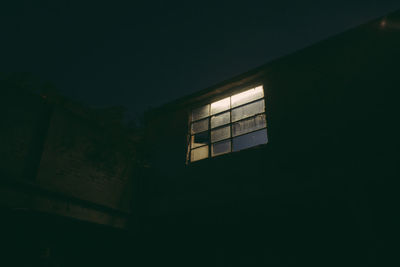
[(258, 71)]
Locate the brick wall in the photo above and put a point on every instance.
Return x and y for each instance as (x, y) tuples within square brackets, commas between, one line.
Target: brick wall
[(85, 160), (63, 160)]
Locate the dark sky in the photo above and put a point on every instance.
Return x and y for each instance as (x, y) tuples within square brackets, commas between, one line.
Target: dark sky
[(144, 55)]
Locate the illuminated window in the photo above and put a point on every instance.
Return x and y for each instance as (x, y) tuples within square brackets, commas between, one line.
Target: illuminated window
[(230, 124)]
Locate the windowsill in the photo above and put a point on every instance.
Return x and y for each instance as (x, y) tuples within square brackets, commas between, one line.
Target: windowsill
[(229, 156)]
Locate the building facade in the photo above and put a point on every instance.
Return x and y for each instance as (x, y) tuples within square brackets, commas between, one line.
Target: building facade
[(309, 182), (67, 181), (293, 163)]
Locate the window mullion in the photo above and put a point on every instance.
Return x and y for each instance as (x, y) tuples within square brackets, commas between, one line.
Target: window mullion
[(230, 121), (221, 145), (209, 131)]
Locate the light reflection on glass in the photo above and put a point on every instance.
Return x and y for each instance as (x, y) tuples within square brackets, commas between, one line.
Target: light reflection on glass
[(199, 153), (227, 125), (221, 105), (247, 96)]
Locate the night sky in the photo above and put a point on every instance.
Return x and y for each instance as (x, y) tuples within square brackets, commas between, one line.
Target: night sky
[(145, 55)]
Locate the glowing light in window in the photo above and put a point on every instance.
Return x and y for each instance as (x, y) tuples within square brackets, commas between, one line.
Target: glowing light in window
[(231, 124), (247, 96), (221, 105)]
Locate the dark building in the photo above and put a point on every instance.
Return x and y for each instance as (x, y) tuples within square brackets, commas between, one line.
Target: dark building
[(67, 175), (315, 186), (291, 164)]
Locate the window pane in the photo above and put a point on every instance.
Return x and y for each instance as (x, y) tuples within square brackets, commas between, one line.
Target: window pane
[(220, 133), (248, 110), (200, 126), (221, 105), (249, 140), (247, 96), (221, 119), (200, 139), (199, 153), (221, 148), (249, 125), (201, 112)]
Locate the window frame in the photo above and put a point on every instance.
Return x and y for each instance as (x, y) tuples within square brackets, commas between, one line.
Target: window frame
[(231, 123)]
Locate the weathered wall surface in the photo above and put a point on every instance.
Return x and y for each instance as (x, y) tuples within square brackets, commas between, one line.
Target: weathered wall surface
[(84, 160), (63, 161)]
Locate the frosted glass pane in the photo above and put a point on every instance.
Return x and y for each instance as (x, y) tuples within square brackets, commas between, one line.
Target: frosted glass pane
[(200, 112), (199, 153), (220, 133), (221, 148), (248, 110), (200, 139), (249, 125), (250, 140), (200, 126), (247, 96), (221, 119), (221, 105)]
